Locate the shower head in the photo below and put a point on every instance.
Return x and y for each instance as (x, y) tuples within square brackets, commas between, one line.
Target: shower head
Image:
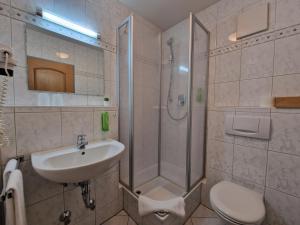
[(170, 42)]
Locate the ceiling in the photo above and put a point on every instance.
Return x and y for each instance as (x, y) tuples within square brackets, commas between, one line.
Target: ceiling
[(166, 13)]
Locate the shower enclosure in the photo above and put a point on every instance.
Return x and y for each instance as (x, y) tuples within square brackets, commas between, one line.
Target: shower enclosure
[(163, 82)]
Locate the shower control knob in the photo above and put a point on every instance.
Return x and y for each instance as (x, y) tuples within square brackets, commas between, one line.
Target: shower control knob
[(181, 100)]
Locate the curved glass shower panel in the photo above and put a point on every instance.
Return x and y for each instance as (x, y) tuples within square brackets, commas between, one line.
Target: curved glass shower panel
[(124, 100), (175, 73), (198, 109)]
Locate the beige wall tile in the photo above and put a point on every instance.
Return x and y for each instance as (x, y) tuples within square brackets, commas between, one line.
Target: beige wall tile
[(228, 67), (282, 209), (257, 61), (227, 94), (287, 13), (5, 29), (46, 212), (220, 155), (287, 53), (8, 151), (36, 188), (284, 173), (108, 211), (228, 8), (216, 127), (18, 42), (209, 16), (285, 133), (250, 164), (74, 124), (37, 131), (243, 181), (256, 92), (286, 85)]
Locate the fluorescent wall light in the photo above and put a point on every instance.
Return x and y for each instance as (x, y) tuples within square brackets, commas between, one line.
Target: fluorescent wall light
[(65, 23)]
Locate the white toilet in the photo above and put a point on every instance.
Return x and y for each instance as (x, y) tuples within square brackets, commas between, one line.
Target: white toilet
[(237, 205)]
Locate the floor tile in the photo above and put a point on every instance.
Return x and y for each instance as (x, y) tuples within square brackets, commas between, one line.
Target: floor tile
[(203, 212)]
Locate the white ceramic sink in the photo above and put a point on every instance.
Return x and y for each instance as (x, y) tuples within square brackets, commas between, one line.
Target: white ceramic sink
[(71, 165)]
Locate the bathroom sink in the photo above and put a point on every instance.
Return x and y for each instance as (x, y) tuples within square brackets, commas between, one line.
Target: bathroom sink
[(71, 165)]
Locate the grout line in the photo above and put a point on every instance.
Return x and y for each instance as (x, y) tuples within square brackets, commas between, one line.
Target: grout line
[(285, 193), (283, 153)]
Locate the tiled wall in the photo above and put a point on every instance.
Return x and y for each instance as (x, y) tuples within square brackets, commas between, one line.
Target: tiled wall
[(243, 77), (35, 128)]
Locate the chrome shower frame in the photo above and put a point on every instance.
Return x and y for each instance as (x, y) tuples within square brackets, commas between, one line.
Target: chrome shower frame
[(129, 23), (193, 20)]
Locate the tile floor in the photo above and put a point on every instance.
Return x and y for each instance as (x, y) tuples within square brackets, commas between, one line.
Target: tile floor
[(202, 216)]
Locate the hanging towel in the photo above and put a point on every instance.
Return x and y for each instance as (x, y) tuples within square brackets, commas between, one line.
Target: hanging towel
[(10, 166), (15, 213), (105, 121), (173, 206)]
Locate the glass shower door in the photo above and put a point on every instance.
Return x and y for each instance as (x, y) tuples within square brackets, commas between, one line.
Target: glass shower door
[(199, 56)]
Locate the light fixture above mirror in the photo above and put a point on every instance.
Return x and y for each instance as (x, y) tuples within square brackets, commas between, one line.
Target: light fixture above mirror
[(49, 16)]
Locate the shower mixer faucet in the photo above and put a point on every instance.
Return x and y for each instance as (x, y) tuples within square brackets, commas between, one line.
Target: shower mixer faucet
[(181, 100)]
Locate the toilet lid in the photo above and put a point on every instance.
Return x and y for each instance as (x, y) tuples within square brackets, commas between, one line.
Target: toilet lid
[(237, 202)]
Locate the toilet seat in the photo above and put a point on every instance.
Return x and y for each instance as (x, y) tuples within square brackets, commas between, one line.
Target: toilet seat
[(224, 217), (237, 204)]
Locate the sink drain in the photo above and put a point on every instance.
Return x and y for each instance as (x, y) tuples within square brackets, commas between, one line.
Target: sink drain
[(138, 192)]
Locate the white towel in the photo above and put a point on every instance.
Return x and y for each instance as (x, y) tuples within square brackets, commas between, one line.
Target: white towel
[(15, 213), (10, 166), (173, 206)]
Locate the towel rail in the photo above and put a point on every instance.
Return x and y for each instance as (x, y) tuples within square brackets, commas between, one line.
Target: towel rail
[(9, 193)]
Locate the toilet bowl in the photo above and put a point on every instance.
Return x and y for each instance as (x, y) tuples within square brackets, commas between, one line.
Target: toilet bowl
[(237, 205)]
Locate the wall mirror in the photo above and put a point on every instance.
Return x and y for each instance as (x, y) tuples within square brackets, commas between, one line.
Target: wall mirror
[(56, 64)]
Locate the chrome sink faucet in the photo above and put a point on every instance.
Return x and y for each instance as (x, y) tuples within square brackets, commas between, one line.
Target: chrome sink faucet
[(81, 141)]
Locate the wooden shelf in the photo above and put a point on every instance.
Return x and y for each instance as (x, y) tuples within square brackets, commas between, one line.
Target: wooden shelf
[(287, 102)]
